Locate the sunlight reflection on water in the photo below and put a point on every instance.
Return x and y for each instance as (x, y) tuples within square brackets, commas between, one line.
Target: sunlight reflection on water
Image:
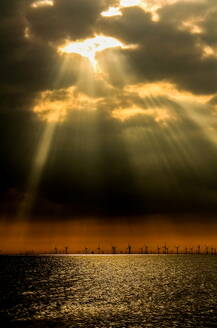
[(109, 291)]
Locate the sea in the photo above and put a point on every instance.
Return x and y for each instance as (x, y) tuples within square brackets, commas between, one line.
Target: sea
[(108, 291)]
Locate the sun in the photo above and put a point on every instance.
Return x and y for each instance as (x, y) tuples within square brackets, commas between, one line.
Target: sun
[(42, 3), (129, 3), (112, 11), (88, 48)]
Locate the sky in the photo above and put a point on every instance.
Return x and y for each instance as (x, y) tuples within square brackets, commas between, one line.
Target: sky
[(108, 121)]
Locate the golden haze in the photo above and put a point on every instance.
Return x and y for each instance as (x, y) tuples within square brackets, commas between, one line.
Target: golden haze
[(78, 234)]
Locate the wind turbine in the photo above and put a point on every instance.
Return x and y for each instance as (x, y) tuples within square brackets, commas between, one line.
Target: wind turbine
[(114, 248), (98, 249), (177, 249), (129, 247), (165, 248)]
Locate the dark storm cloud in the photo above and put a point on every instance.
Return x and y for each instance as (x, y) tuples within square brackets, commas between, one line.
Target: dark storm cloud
[(99, 165), (30, 64), (67, 19), (181, 11), (209, 26), (203, 13), (27, 65), (165, 51)]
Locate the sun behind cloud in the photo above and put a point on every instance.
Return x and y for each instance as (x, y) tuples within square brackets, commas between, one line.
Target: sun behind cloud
[(88, 48), (129, 3), (42, 3)]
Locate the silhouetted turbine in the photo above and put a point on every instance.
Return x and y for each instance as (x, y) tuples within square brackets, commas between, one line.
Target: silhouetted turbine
[(114, 249)]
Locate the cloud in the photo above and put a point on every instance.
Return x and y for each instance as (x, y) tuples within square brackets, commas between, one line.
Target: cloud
[(29, 61), (136, 137), (66, 19), (164, 52)]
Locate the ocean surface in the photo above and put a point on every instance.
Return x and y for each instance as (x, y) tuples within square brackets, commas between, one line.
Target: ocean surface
[(163, 291)]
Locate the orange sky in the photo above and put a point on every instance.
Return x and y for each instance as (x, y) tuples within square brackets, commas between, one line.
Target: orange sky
[(44, 236)]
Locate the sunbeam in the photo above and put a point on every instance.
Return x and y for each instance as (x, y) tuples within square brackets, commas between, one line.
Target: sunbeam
[(37, 169)]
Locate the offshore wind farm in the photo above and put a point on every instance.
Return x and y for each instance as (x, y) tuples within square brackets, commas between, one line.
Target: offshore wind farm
[(114, 250)]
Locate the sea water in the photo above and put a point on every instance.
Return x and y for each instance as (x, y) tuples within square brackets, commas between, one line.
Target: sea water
[(116, 291)]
